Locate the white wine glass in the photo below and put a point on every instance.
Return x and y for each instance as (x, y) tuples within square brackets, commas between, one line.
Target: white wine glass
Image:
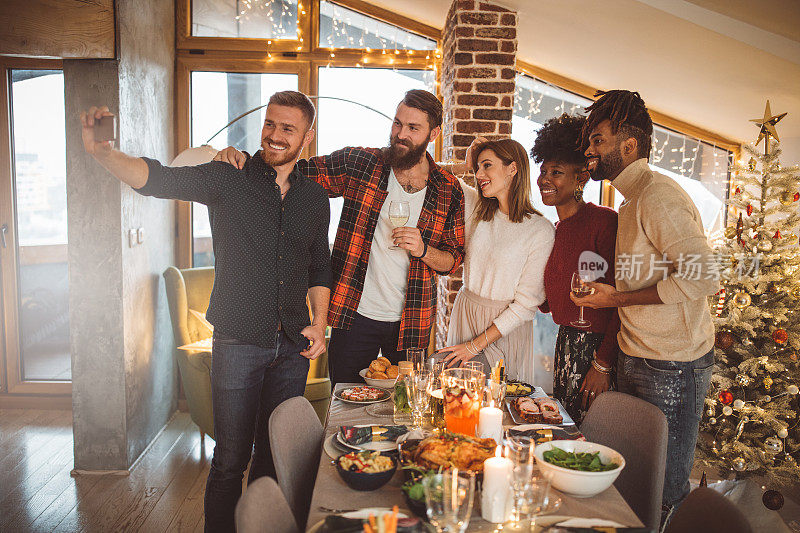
[(580, 289), (399, 213)]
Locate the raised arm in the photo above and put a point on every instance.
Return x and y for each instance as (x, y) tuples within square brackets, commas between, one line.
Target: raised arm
[(130, 170)]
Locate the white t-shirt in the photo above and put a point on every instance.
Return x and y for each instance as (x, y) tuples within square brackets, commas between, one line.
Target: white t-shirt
[(387, 270)]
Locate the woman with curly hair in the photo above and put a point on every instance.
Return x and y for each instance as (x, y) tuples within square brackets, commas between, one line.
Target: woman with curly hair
[(507, 244), (584, 357)]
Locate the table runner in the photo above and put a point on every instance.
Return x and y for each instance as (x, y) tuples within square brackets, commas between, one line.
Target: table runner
[(330, 491)]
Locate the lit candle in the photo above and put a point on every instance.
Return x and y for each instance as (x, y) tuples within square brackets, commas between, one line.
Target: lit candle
[(495, 498), (490, 424)]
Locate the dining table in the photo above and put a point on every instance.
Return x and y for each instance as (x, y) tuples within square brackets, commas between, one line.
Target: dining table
[(331, 492)]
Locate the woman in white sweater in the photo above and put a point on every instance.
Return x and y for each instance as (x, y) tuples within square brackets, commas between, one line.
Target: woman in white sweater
[(507, 246)]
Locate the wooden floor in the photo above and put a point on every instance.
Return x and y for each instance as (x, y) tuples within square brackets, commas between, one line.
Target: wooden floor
[(164, 492)]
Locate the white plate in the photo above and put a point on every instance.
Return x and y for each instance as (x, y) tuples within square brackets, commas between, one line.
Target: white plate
[(338, 395), (380, 446), (547, 521), (361, 513)]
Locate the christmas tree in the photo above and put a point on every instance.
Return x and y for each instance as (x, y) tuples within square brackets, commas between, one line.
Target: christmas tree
[(750, 419)]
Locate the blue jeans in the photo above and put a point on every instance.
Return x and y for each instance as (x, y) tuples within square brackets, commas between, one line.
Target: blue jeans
[(679, 390), (247, 383)]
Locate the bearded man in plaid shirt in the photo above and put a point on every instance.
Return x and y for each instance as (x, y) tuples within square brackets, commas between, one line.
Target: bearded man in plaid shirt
[(384, 299)]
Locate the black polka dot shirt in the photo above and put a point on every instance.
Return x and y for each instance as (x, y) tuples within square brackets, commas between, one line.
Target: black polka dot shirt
[(267, 251)]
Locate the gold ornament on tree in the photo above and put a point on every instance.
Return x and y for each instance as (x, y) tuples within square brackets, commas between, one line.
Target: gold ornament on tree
[(767, 124), (786, 198), (741, 299)]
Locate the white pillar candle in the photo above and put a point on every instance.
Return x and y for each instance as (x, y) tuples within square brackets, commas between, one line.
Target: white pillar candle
[(496, 496), (490, 424)]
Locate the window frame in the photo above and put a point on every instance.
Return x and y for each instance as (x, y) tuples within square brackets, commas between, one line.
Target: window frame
[(219, 54), (678, 126), (11, 375)]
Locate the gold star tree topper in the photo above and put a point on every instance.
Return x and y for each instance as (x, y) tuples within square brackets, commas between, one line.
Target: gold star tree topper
[(767, 124)]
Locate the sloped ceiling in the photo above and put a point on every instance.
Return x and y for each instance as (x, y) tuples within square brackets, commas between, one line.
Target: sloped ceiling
[(712, 63)]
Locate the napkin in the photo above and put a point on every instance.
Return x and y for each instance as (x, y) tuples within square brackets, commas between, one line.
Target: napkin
[(593, 525), (548, 434), (340, 524), (355, 435)]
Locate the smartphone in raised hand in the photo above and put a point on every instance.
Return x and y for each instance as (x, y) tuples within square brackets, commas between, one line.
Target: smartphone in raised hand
[(105, 129)]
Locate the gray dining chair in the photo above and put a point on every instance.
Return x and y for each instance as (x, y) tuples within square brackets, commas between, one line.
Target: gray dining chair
[(637, 430), (295, 436), (708, 511), (263, 509)]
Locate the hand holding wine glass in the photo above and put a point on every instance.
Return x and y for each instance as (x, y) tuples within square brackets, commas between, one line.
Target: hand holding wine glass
[(399, 213), (579, 289)]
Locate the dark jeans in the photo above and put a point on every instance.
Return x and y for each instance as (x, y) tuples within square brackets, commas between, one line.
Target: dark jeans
[(679, 390), (247, 383), (351, 350)]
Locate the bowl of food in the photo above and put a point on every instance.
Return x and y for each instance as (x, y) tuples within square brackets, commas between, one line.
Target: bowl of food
[(380, 373), (579, 468), (366, 470)]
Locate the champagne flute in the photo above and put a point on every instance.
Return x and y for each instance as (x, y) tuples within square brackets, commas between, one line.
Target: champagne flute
[(579, 289), (418, 394), (520, 450), (399, 213)]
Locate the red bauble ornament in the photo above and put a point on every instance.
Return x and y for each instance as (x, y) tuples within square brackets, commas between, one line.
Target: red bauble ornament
[(780, 336), (724, 340), (726, 397), (772, 500), (796, 196), (777, 235), (749, 209), (738, 191)]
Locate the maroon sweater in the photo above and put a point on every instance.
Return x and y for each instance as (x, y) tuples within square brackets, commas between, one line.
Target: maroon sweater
[(591, 228)]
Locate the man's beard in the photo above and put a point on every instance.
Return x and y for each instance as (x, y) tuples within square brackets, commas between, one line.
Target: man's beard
[(400, 161), (281, 158), (608, 166)]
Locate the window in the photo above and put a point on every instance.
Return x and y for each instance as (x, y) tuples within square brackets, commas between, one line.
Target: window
[(249, 19), (39, 185), (343, 124), (340, 27), (218, 98)]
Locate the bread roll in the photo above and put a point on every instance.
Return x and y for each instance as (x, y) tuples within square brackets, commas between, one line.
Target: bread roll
[(377, 366), (392, 371), (379, 375), (368, 373), (384, 361)]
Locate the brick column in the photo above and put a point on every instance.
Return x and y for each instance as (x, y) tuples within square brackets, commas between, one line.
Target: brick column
[(480, 51)]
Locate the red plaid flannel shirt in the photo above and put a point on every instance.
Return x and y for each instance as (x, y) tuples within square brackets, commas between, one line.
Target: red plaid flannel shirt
[(361, 176)]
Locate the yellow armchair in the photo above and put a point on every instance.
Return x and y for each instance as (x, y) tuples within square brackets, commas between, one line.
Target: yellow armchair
[(190, 288)]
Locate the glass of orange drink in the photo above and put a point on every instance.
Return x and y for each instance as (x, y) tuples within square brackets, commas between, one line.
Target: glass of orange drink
[(463, 393)]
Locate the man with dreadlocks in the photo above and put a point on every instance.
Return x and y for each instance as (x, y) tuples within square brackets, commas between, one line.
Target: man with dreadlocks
[(663, 278)]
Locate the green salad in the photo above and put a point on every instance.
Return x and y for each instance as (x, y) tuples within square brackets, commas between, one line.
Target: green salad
[(585, 462)]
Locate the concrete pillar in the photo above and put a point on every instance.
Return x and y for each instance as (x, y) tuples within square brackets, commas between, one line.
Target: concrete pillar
[(124, 378)]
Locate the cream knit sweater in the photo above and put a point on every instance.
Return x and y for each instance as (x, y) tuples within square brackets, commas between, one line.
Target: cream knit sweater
[(505, 261)]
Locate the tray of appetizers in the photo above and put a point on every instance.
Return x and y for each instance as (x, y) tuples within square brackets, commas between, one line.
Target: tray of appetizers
[(538, 408)]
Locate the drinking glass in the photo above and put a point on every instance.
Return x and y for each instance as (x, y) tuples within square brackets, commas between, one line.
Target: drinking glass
[(579, 288), (535, 499), (463, 395), (448, 500), (417, 358), (496, 392), (520, 450), (474, 365), (399, 213), (437, 394), (419, 395)]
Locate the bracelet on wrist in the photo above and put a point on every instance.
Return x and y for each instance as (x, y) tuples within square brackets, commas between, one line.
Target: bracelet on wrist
[(424, 251), (474, 347), (600, 368)]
